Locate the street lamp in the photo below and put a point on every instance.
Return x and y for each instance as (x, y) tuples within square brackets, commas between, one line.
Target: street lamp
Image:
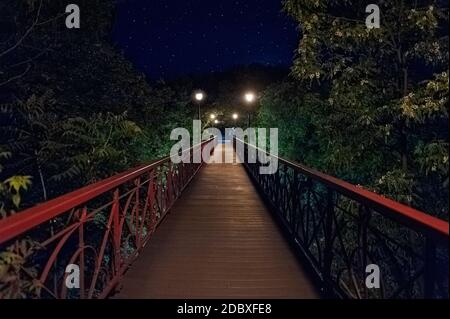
[(235, 116), (212, 116), (216, 122), (249, 97), (199, 96)]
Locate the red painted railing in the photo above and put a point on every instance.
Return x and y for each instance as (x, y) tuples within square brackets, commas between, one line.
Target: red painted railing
[(340, 228), (101, 228)]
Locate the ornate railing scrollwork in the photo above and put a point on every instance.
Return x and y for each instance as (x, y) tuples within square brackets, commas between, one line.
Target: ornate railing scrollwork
[(340, 229), (101, 228)]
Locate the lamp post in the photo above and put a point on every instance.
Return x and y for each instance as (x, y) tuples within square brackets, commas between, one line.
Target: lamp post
[(249, 97), (199, 96)]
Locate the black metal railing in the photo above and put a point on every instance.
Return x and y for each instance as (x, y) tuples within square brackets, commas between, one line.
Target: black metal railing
[(347, 233)]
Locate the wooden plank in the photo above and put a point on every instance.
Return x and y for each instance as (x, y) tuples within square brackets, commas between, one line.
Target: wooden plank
[(219, 241)]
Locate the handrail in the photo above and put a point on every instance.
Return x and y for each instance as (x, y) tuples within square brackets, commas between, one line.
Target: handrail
[(100, 227), (339, 229), (22, 221), (34, 216), (396, 210)]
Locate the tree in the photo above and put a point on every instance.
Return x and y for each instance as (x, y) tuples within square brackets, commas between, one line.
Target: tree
[(11, 189), (385, 120), (289, 107)]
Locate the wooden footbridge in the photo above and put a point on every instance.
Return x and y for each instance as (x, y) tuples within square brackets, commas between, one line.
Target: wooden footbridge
[(208, 230)]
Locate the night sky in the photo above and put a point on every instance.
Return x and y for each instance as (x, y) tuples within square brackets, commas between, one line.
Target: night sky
[(169, 38)]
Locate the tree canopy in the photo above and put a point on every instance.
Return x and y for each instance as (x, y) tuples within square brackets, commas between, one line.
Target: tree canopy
[(372, 104)]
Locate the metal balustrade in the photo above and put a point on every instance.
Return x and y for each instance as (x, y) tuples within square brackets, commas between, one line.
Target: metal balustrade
[(340, 229), (101, 228), (337, 228)]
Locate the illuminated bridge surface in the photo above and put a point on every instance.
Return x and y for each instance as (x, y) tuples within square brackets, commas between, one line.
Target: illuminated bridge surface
[(219, 241), (210, 230)]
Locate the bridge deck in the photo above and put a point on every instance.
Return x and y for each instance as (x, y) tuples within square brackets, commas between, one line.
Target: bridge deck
[(219, 241)]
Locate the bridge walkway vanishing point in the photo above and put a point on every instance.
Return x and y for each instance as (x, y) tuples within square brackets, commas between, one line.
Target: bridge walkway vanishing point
[(206, 230), (219, 241)]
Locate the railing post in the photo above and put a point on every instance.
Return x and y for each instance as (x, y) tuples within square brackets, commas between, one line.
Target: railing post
[(295, 204), (137, 211), (115, 211), (430, 268), (82, 247), (364, 220), (328, 250)]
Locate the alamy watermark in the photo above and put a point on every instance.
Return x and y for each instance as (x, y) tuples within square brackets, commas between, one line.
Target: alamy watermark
[(373, 19), (260, 151), (72, 279), (373, 277), (73, 17)]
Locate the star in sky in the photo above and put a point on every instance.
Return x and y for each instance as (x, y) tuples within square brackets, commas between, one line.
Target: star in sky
[(171, 38)]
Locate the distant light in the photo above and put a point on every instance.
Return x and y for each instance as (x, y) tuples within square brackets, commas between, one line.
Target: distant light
[(216, 121), (235, 116), (250, 97), (199, 96), (212, 116)]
